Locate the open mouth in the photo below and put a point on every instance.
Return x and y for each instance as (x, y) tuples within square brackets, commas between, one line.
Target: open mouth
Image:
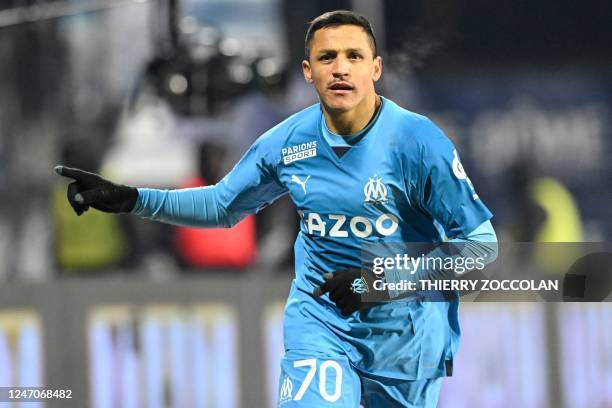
[(340, 87)]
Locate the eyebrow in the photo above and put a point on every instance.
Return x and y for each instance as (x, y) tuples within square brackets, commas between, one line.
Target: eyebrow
[(326, 51)]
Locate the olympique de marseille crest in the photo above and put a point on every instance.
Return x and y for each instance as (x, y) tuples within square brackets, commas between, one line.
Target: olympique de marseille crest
[(286, 390), (375, 191)]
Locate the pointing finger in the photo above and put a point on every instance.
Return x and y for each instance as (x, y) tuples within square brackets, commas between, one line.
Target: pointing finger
[(77, 174)]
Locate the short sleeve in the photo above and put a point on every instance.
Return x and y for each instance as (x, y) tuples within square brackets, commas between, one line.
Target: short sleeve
[(444, 190)]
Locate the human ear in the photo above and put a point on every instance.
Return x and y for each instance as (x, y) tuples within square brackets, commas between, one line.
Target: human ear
[(377, 72), (307, 71)]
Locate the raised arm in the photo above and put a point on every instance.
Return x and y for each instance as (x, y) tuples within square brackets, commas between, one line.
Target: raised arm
[(250, 186)]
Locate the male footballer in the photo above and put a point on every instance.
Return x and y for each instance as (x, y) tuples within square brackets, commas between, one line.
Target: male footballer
[(361, 170)]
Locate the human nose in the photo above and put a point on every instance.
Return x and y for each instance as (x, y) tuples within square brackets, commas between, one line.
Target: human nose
[(341, 67)]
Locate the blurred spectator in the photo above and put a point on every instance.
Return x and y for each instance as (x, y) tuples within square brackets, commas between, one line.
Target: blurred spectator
[(276, 95), (215, 247), (563, 221), (545, 209)]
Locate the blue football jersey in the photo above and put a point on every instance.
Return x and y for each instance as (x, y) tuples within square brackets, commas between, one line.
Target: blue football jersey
[(402, 181)]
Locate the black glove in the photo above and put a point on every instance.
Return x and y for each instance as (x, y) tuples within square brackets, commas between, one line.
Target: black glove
[(91, 190), (348, 288)]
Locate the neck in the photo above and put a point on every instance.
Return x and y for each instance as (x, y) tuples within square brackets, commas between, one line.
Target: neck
[(350, 122)]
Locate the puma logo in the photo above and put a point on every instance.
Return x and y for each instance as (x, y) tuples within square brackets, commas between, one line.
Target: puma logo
[(297, 180)]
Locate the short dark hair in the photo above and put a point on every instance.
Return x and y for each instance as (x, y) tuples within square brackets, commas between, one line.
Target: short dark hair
[(338, 18)]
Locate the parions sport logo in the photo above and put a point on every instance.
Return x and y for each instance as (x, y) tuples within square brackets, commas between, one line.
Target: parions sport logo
[(299, 152)]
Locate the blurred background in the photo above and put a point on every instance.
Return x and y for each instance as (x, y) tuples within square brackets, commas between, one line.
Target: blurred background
[(170, 93)]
